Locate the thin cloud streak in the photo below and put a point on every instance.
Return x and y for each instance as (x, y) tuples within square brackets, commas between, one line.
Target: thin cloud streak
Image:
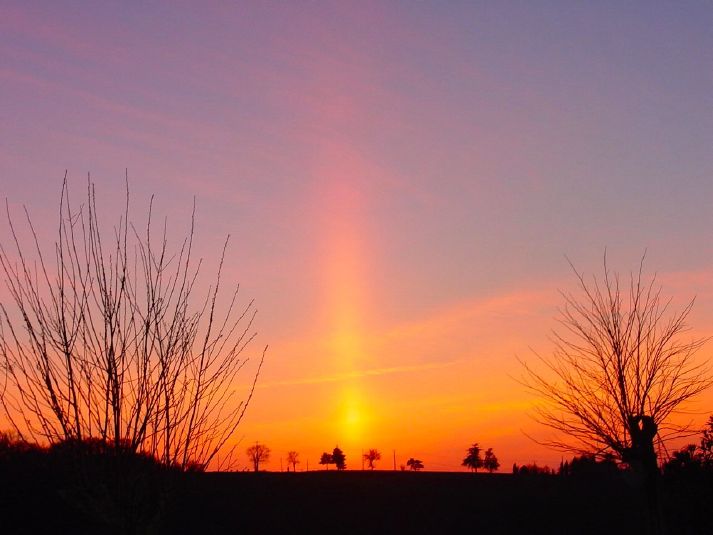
[(358, 374)]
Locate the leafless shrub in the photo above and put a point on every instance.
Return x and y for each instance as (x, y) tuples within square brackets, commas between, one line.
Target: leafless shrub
[(104, 338)]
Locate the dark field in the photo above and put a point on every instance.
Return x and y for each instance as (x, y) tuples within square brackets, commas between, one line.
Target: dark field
[(390, 502), (347, 502)]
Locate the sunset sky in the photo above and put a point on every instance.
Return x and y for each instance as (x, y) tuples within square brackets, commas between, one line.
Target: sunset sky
[(403, 183)]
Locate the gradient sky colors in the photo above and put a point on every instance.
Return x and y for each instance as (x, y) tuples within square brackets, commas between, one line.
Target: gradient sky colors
[(402, 182)]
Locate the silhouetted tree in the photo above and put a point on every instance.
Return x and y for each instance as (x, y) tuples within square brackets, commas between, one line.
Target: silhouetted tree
[(293, 458), (106, 339), (339, 459), (693, 458), (258, 453), (326, 459), (371, 457), (414, 464), (490, 461), (473, 460), (620, 368), (707, 443)]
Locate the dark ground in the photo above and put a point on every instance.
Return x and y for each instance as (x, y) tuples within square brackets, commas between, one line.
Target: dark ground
[(400, 502), (343, 502)]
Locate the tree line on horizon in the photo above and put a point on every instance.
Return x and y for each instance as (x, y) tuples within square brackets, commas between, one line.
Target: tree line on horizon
[(260, 453)]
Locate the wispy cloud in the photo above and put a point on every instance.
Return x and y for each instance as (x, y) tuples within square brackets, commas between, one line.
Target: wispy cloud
[(358, 374)]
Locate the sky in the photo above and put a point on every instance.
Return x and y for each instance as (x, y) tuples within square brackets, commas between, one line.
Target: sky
[(402, 182)]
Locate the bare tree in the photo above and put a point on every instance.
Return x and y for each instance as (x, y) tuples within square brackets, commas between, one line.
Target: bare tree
[(293, 458), (105, 339), (620, 369), (371, 457), (258, 453)]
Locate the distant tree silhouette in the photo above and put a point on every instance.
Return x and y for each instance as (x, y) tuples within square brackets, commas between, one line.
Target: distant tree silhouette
[(532, 469), (490, 461), (293, 458), (371, 457), (473, 460), (258, 453), (589, 466), (326, 459), (105, 338), (414, 464), (339, 459), (707, 443), (619, 370)]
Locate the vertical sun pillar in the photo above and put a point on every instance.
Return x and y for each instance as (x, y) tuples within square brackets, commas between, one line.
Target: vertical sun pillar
[(344, 278)]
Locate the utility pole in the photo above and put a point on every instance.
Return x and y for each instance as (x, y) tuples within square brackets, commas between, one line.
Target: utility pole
[(362, 460), (394, 460)]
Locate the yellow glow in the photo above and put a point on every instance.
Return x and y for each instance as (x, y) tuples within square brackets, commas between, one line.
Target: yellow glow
[(352, 417)]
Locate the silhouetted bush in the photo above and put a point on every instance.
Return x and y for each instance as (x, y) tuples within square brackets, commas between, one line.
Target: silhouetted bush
[(532, 469), (100, 486), (588, 466), (688, 491), (685, 462)]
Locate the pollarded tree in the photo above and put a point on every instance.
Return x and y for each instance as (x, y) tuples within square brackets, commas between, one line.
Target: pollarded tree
[(258, 454), (620, 369), (490, 461), (473, 460), (371, 457), (104, 338)]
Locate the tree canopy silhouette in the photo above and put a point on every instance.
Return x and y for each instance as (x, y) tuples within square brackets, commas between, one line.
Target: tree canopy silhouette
[(371, 457), (473, 460), (620, 369), (105, 338), (414, 464), (490, 461), (258, 454), (326, 459), (339, 459)]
